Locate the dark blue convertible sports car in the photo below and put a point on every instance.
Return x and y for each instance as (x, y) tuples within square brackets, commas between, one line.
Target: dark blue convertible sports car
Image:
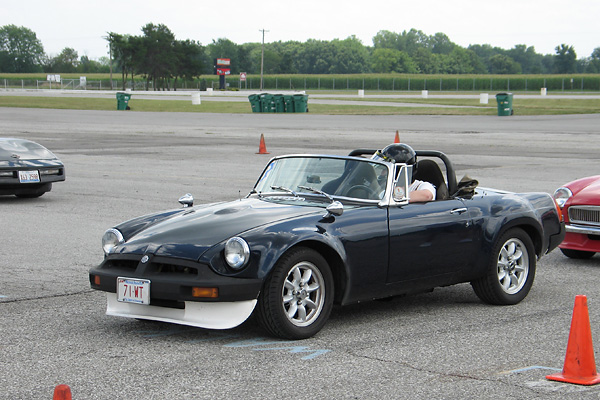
[(319, 230)]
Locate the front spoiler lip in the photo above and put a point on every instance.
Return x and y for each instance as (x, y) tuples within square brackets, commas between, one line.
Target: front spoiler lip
[(221, 315)]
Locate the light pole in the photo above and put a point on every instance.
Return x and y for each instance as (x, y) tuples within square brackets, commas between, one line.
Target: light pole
[(262, 57)]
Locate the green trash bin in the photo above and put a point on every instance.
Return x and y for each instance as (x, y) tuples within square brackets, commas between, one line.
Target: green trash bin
[(123, 101), (288, 101), (505, 104), (279, 103), (267, 102), (300, 103), (255, 102)]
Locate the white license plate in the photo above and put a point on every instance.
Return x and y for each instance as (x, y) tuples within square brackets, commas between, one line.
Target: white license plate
[(29, 176), (131, 290)]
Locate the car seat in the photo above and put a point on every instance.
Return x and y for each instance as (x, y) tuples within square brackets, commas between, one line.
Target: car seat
[(429, 171)]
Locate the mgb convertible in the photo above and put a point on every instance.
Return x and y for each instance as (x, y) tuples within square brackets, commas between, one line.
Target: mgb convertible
[(319, 230)]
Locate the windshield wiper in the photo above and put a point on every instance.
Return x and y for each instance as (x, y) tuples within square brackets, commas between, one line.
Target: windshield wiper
[(284, 189), (317, 191), (253, 191)]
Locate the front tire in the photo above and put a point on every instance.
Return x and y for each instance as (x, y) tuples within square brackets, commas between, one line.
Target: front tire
[(29, 195), (510, 270), (578, 254), (297, 298), (36, 192)]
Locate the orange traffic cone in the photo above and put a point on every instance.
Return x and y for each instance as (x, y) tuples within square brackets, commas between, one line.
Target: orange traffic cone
[(397, 138), (580, 366), (262, 148), (62, 392)]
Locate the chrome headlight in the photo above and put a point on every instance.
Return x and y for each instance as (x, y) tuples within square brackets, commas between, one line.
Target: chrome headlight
[(561, 195), (237, 253), (111, 239)]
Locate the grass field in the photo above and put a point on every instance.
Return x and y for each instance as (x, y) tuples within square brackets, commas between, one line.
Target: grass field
[(526, 106), (540, 106)]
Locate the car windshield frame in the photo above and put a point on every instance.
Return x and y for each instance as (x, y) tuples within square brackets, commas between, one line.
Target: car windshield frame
[(344, 178)]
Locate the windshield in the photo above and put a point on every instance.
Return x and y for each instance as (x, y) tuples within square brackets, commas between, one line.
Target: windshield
[(334, 176), (11, 149)]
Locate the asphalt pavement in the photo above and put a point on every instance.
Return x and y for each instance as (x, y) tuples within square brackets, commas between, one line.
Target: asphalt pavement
[(443, 344)]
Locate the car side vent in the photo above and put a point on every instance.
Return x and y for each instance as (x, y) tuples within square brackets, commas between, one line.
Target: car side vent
[(121, 264)]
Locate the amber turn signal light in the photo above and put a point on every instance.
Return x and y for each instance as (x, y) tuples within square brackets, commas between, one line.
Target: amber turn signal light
[(96, 280), (561, 217), (207, 292)]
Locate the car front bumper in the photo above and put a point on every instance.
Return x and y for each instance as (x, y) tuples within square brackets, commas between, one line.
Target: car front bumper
[(173, 283), (172, 280), (583, 238), (10, 184)]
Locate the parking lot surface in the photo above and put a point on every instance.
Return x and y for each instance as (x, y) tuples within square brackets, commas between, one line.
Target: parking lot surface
[(443, 344)]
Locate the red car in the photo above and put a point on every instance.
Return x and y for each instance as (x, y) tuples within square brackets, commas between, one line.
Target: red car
[(580, 203)]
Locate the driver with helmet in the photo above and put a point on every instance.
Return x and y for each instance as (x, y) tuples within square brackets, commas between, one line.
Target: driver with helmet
[(418, 191)]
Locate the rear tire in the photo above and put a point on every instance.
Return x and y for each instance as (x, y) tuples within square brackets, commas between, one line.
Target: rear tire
[(297, 297), (510, 270)]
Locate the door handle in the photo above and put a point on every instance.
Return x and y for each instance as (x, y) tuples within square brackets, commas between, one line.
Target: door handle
[(459, 210)]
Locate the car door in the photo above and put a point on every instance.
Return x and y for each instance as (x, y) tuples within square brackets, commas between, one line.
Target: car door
[(429, 242)]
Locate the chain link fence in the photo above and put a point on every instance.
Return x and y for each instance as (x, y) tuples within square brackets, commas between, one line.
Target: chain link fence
[(405, 84)]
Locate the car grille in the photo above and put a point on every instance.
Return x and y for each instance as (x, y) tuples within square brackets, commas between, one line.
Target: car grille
[(587, 215), (154, 267)]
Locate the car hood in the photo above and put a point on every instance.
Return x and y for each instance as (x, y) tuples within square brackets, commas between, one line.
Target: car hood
[(588, 195), (19, 149), (190, 233)]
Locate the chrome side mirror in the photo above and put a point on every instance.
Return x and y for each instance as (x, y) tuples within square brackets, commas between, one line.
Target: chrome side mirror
[(334, 209), (187, 200)]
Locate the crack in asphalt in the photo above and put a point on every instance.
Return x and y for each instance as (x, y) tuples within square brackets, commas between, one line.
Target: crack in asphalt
[(7, 300), (446, 374)]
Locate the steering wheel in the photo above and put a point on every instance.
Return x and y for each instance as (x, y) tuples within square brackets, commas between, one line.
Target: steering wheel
[(367, 192)]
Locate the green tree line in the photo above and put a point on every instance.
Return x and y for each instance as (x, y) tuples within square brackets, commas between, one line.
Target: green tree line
[(161, 59)]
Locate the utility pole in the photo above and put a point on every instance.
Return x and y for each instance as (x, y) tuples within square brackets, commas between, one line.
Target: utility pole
[(262, 57)]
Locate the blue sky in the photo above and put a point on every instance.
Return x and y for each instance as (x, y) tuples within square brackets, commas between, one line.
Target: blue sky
[(503, 23)]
